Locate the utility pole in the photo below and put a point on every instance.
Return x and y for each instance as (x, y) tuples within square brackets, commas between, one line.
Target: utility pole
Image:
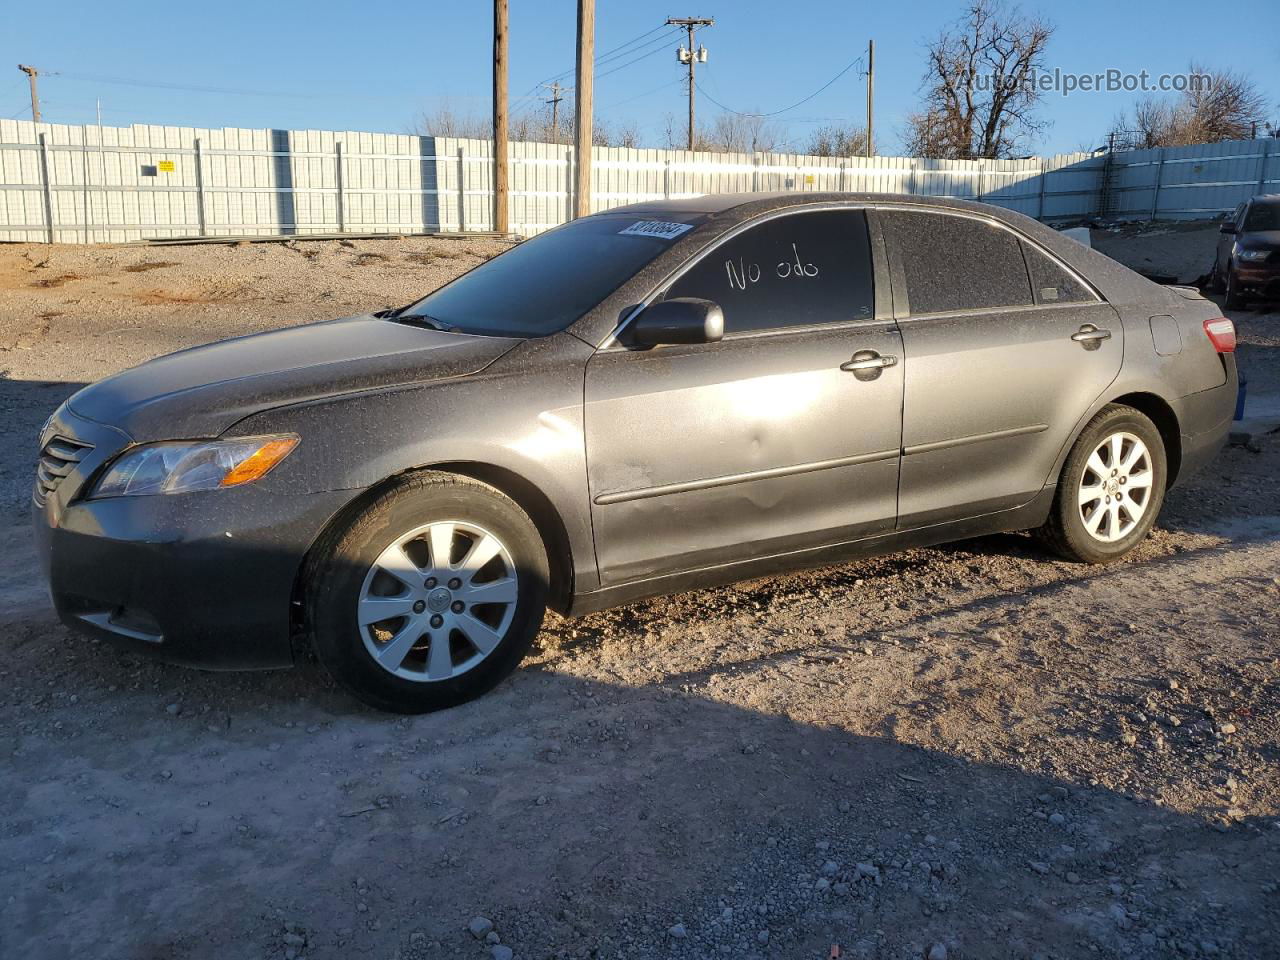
[(582, 107), (691, 56), (871, 92), (554, 100), (32, 73), (501, 145)]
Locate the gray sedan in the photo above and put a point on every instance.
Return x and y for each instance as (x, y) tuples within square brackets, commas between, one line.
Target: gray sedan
[(647, 400)]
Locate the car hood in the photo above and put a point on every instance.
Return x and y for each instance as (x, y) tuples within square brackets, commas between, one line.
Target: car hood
[(202, 391)]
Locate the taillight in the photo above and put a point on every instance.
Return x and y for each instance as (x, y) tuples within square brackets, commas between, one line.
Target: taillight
[(1222, 334)]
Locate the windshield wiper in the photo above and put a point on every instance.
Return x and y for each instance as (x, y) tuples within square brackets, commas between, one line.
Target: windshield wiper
[(424, 320)]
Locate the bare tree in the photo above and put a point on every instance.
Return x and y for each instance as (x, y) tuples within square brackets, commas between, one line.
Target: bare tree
[(528, 127), (444, 121), (979, 92), (625, 134), (837, 141), (1216, 106), (730, 133)]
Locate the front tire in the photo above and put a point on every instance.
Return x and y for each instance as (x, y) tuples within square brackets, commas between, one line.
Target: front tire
[(429, 596), (1234, 295), (1111, 488)]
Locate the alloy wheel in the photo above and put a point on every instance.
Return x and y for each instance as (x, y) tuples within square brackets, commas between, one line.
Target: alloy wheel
[(1115, 487), (437, 601)]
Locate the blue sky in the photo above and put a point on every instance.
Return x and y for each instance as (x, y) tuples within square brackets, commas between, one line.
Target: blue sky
[(330, 65)]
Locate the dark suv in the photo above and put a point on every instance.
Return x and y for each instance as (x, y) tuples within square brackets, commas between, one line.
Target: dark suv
[(1248, 257)]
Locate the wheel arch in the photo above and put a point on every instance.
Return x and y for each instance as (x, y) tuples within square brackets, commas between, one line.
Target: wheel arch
[(534, 502), (527, 495), (1158, 411)]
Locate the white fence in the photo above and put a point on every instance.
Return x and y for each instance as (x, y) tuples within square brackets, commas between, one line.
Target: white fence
[(1181, 183), (90, 184)]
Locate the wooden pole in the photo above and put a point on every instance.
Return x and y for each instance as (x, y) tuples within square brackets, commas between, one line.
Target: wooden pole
[(583, 107), (693, 60), (501, 144), (32, 73)]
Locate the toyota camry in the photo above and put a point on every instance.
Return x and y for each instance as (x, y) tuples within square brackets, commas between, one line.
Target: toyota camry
[(652, 399)]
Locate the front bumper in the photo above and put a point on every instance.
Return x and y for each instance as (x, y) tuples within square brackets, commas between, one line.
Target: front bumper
[(203, 579), (1260, 277)]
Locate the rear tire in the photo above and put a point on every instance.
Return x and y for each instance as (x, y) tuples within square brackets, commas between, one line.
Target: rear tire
[(429, 596), (1111, 488)]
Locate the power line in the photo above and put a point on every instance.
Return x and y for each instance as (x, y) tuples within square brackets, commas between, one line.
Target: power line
[(636, 60), (639, 96), (21, 81), (614, 54), (774, 113), (534, 107), (160, 85)]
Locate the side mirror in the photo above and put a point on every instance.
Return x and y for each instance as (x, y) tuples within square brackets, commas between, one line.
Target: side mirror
[(682, 320), (1228, 227)]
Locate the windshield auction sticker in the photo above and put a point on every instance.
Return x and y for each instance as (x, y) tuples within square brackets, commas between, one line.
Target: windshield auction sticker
[(660, 229)]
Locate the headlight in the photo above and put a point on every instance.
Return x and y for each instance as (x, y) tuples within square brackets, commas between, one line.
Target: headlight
[(1253, 254), (194, 465)]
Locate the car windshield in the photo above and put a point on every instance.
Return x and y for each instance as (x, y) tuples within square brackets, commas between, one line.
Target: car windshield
[(542, 285), (1263, 216)]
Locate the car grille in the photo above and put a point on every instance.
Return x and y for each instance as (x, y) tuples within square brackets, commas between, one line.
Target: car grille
[(58, 458)]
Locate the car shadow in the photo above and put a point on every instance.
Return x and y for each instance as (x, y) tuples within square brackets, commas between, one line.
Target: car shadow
[(577, 815)]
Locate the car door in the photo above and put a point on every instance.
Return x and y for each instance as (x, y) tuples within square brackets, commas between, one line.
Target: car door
[(783, 436), (1005, 350)]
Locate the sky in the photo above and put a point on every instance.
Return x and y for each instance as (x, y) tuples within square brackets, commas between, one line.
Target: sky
[(377, 67)]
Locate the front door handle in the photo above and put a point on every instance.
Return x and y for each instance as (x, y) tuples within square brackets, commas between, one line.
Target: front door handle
[(1090, 337), (867, 364)]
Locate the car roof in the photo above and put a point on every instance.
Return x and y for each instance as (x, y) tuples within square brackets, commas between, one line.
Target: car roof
[(717, 203)]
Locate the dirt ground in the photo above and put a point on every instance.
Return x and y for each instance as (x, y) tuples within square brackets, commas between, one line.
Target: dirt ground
[(972, 751), (1181, 250)]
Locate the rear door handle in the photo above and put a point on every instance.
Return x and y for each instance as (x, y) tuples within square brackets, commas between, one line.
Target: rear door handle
[(867, 364), (1090, 337)]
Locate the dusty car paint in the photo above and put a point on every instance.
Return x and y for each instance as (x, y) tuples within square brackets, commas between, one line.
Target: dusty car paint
[(645, 472)]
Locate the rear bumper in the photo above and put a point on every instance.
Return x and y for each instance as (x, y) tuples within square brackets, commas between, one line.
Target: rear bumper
[(1205, 421)]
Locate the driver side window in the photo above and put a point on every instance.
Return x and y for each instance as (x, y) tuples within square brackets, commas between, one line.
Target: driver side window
[(796, 270)]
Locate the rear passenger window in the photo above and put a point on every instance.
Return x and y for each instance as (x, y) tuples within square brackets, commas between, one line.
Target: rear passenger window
[(795, 270), (957, 263), (1051, 283)]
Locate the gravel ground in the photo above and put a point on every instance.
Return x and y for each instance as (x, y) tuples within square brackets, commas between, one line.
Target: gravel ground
[(961, 752), (1182, 250)]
